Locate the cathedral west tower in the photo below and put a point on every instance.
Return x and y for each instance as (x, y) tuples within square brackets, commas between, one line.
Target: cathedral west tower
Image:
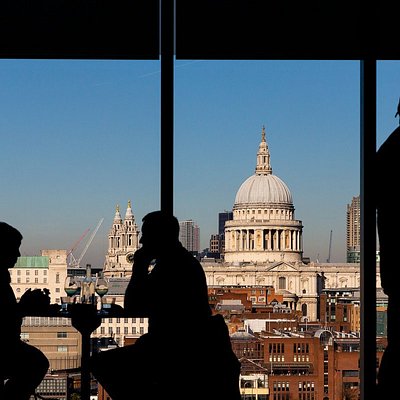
[(123, 241)]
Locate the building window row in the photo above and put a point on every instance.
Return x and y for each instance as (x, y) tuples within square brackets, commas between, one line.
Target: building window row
[(275, 348), (268, 213), (280, 391), (306, 386), (302, 358), (28, 280), (27, 272), (278, 358), (110, 330), (306, 390), (302, 348), (46, 321)]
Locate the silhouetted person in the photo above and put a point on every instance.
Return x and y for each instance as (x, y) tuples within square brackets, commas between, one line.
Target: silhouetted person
[(186, 351), (22, 366), (388, 222), (398, 110)]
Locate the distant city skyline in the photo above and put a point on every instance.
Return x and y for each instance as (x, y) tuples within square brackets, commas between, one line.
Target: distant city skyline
[(79, 137)]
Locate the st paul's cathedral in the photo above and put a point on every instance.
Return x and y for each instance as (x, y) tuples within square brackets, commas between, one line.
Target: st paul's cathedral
[(263, 245)]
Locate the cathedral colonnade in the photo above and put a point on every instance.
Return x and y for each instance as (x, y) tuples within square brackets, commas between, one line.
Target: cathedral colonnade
[(266, 239)]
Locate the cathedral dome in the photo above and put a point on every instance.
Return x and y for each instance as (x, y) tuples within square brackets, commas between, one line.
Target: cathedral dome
[(263, 189), (263, 228)]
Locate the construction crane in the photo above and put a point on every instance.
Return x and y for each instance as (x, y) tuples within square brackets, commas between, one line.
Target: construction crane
[(75, 263), (330, 248), (69, 253)]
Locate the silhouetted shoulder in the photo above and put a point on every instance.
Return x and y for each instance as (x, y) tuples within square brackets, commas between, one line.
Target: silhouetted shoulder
[(390, 146), (387, 167)]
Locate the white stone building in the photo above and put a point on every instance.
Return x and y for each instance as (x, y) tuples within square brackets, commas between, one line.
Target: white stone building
[(264, 245), (48, 270), (264, 228), (123, 241)]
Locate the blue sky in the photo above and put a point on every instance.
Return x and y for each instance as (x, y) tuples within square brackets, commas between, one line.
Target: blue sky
[(79, 137)]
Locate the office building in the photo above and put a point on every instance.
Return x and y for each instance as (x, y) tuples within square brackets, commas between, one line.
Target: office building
[(189, 236), (214, 249), (222, 218), (353, 231)]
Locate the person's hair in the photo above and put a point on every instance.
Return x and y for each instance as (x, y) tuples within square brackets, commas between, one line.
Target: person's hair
[(9, 235), (163, 222)]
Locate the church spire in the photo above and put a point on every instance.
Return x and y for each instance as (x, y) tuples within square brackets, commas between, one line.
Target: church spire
[(123, 241), (263, 157), (117, 216), (129, 213)]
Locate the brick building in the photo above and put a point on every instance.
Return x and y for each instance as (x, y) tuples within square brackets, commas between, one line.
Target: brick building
[(316, 366)]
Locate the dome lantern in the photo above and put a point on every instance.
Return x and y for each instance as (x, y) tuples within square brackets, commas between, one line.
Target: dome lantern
[(263, 158), (263, 188)]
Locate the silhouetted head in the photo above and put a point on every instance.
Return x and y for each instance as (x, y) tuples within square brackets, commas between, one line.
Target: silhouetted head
[(160, 231), (10, 241)]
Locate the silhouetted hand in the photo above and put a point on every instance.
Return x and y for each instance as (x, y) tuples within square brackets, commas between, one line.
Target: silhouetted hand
[(84, 317), (141, 261), (34, 302)]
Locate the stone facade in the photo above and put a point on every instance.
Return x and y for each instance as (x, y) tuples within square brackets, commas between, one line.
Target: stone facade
[(264, 245), (48, 270), (123, 241), (299, 283), (264, 227)]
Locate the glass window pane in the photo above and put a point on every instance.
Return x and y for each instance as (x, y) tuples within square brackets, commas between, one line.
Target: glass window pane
[(77, 139), (276, 144), (310, 111)]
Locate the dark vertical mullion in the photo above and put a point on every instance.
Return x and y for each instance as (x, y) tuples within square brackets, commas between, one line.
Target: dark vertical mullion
[(167, 104), (368, 230)]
